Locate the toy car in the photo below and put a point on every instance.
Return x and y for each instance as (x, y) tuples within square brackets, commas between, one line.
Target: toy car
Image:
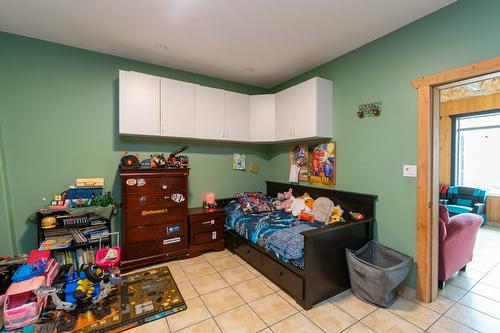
[(22, 306), (180, 161)]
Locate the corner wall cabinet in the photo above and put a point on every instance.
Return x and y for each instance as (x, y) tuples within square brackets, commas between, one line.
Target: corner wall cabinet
[(304, 111), (263, 118), (154, 106)]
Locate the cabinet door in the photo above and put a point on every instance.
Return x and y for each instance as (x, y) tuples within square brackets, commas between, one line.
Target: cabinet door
[(305, 110), (139, 103), (262, 118), (237, 116), (285, 114), (209, 113), (177, 108)]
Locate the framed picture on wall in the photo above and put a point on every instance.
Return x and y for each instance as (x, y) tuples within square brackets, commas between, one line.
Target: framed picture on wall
[(322, 166), (297, 155)]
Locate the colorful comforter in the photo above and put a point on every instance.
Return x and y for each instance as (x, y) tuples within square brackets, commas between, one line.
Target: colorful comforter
[(277, 231)]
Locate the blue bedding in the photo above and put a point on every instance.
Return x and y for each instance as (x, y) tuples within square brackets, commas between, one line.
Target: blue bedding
[(277, 231)]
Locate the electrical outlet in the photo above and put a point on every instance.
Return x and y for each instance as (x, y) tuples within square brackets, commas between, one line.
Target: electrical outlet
[(410, 170)]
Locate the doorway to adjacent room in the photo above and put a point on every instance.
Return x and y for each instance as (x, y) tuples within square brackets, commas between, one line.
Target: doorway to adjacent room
[(428, 180)]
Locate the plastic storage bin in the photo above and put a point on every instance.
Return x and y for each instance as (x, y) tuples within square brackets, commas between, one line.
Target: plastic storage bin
[(376, 272)]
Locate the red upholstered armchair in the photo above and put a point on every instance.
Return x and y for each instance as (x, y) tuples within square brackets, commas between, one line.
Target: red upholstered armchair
[(457, 236)]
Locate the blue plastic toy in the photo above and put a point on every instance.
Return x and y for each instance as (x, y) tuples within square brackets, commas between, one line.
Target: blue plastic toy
[(29, 271)]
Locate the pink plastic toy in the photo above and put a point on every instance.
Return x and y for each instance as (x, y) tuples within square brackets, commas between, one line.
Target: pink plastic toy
[(108, 258), (22, 306)]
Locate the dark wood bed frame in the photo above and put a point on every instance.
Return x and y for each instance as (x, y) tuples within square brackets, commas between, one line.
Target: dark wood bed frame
[(325, 269)]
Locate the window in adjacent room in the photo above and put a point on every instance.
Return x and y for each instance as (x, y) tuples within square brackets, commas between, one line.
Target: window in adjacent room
[(477, 151)]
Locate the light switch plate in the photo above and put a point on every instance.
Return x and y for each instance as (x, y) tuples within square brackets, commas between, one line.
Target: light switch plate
[(410, 170)]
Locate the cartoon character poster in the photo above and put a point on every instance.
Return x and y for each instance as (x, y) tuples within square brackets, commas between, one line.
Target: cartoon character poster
[(322, 164), (297, 154)]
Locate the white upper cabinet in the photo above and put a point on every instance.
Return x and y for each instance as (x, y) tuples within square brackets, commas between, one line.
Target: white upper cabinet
[(262, 118), (177, 108), (285, 112), (150, 105), (237, 116), (305, 111), (139, 103), (209, 113)]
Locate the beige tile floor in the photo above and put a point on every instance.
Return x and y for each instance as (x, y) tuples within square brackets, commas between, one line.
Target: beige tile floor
[(224, 294)]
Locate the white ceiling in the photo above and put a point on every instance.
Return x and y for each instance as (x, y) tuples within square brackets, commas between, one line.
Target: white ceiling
[(259, 42)]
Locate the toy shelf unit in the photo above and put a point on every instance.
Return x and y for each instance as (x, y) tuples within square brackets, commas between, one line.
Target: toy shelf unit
[(73, 238)]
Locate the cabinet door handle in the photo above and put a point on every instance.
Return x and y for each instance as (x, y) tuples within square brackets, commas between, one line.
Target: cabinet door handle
[(290, 131), (294, 131)]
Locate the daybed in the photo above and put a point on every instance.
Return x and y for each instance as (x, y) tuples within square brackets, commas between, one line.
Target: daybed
[(324, 272)]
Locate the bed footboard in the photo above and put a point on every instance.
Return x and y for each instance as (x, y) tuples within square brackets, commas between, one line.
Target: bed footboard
[(325, 266)]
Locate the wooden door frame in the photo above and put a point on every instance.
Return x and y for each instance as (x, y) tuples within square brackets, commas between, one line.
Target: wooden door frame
[(427, 232)]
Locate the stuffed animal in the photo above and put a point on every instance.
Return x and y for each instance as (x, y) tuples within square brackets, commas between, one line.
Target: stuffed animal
[(308, 200), (336, 215), (288, 200), (299, 205), (306, 217), (322, 209)]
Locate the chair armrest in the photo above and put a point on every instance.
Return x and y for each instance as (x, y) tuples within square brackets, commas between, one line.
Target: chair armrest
[(461, 222), (443, 201), (479, 208)]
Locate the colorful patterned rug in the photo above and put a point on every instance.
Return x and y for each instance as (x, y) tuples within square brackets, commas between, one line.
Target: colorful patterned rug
[(141, 298)]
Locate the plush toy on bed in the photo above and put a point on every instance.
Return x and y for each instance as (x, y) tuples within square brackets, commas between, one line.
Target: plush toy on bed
[(336, 215), (301, 204), (283, 200)]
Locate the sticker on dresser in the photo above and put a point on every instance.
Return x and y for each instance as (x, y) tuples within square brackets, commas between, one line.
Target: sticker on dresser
[(171, 240)]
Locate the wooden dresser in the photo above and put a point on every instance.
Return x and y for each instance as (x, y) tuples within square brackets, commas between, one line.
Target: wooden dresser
[(154, 215)]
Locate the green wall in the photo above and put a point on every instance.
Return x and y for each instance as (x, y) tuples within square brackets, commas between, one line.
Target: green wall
[(371, 152), (59, 116)]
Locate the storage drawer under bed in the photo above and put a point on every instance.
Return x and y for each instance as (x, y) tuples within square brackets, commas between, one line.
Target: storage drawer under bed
[(284, 278)]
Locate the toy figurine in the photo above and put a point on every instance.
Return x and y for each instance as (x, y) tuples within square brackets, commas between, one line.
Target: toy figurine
[(357, 216), (129, 161), (158, 161), (180, 161)]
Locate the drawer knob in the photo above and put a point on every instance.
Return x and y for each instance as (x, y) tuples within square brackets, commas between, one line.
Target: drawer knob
[(280, 273), (164, 187), (248, 251)]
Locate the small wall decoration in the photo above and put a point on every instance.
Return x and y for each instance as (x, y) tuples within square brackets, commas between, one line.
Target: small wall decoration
[(322, 164), (239, 162), (369, 110), (297, 155), (254, 167)]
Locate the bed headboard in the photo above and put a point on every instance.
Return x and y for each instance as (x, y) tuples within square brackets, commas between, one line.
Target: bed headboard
[(349, 201)]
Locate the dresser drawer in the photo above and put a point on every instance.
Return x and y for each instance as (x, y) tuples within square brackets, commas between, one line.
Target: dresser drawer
[(143, 233), (288, 281), (156, 200), (206, 237), (206, 225), (156, 247), (155, 216), (154, 184)]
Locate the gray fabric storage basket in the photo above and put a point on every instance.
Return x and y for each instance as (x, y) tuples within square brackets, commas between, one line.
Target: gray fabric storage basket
[(376, 272)]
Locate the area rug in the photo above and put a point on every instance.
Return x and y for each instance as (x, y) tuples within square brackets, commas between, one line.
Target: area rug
[(140, 299)]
